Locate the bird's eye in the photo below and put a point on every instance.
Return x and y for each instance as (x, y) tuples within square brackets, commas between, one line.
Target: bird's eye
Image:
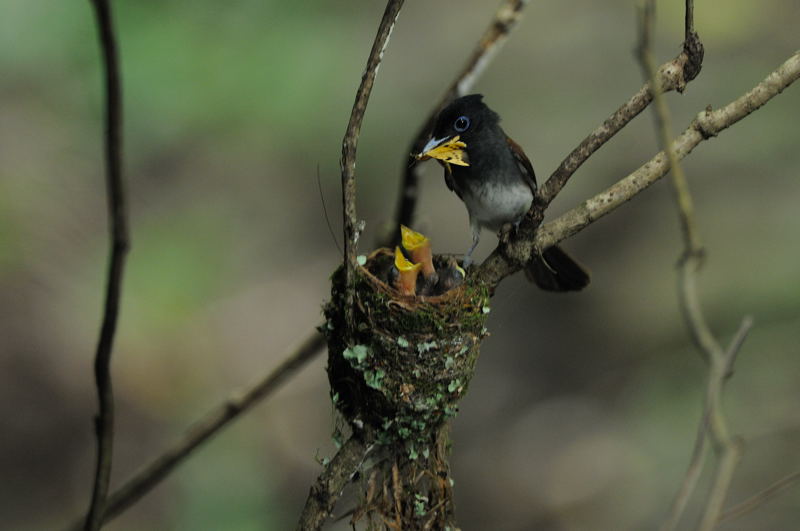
[(461, 124)]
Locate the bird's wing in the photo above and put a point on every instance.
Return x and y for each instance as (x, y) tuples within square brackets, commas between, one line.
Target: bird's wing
[(523, 163), (448, 178)]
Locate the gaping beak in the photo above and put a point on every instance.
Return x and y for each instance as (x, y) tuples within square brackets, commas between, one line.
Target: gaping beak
[(449, 150)]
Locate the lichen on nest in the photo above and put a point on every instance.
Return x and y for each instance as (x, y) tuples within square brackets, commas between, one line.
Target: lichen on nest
[(408, 359)]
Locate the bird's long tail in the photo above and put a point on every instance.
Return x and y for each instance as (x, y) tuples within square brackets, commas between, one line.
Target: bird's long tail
[(555, 270)]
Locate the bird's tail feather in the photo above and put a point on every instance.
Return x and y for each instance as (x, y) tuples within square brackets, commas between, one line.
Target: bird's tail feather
[(555, 270)]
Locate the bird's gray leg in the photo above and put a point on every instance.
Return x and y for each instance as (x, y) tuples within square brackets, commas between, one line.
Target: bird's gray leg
[(476, 236)]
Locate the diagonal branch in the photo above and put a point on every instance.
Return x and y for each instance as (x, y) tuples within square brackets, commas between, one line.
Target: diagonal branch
[(212, 423), (505, 20), (350, 143), (104, 422), (508, 259), (326, 491), (757, 500), (672, 75)]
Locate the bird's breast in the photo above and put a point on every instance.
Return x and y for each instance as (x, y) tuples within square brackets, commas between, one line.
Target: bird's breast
[(493, 204)]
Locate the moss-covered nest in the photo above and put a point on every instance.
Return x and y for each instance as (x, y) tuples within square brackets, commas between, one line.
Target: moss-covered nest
[(409, 359)]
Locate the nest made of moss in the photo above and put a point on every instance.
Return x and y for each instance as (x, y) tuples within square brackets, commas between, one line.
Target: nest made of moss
[(407, 360)]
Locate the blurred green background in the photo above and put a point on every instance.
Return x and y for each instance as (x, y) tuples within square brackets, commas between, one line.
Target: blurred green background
[(584, 407)]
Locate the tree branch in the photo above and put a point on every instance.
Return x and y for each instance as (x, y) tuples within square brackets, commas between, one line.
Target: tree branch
[(757, 500), (713, 420), (680, 185), (505, 20), (104, 422), (672, 75), (212, 423), (508, 258), (334, 478), (729, 447), (350, 143)]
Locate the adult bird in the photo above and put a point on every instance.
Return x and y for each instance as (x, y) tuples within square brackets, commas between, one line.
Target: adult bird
[(494, 178)]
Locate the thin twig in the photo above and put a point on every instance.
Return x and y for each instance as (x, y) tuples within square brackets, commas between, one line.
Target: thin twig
[(729, 459), (212, 423), (505, 19), (512, 254), (736, 344), (672, 75), (350, 143), (729, 447), (757, 500), (691, 476), (680, 184), (507, 259), (104, 422), (693, 251), (331, 482), (713, 420)]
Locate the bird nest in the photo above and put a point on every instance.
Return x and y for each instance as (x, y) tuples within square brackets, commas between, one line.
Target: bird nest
[(406, 361)]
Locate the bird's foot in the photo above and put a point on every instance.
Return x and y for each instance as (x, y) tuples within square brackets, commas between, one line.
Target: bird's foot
[(506, 231)]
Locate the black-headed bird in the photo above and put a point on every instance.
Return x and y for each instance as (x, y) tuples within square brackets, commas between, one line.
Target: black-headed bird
[(495, 180)]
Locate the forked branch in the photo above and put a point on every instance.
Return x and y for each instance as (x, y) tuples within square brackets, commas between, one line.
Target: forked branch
[(713, 420), (506, 260)]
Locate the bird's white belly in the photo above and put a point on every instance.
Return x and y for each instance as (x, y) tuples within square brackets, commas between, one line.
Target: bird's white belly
[(493, 205)]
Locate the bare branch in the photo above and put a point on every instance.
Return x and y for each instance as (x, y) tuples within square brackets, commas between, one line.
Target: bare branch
[(329, 486), (672, 75), (507, 259), (680, 184), (757, 500), (350, 143), (708, 124), (687, 294), (736, 344), (691, 476), (212, 423), (505, 20), (728, 447), (729, 459), (104, 422)]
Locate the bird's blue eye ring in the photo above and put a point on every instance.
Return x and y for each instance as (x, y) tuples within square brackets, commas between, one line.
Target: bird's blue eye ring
[(461, 124)]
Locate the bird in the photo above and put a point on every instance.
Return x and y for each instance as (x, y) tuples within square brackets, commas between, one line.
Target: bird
[(494, 178)]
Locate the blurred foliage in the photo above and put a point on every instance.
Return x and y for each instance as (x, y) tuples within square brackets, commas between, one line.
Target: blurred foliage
[(584, 407)]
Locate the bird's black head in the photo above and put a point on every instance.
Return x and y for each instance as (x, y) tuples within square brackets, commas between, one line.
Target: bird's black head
[(461, 122), (465, 117)]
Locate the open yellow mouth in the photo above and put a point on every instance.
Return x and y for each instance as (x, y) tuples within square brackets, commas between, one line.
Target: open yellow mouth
[(412, 240), (402, 263), (450, 151)]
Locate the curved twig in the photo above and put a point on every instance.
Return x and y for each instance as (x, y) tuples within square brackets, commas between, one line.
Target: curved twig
[(350, 143), (104, 422), (713, 420)]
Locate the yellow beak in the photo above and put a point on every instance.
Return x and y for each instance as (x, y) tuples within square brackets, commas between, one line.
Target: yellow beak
[(449, 150)]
